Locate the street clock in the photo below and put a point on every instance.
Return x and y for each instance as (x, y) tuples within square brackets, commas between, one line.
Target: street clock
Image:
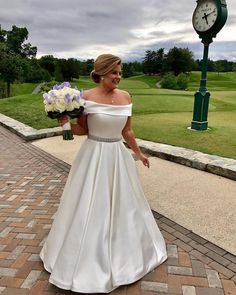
[(208, 19)]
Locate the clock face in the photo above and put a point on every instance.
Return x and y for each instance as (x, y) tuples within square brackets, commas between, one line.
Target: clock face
[(205, 15)]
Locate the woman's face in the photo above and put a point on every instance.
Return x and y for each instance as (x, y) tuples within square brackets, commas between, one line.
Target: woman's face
[(112, 79)]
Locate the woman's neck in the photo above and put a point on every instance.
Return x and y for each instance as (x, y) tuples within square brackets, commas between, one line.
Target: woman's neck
[(105, 90)]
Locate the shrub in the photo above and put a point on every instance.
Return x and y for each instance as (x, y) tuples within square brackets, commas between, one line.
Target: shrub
[(169, 81), (182, 81), (48, 86)]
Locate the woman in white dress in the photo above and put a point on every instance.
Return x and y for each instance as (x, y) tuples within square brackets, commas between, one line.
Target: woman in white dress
[(104, 234)]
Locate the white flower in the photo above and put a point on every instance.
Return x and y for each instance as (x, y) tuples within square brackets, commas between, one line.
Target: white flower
[(59, 94), (75, 104), (60, 105), (82, 101), (69, 106), (49, 108)]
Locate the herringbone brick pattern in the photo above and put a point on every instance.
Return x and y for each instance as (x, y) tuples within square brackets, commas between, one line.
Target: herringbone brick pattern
[(31, 183)]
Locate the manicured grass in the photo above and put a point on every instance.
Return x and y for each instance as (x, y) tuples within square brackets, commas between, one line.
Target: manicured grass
[(162, 103), (172, 129), (215, 81), (83, 83), (150, 81), (28, 109), (159, 115), (24, 88)]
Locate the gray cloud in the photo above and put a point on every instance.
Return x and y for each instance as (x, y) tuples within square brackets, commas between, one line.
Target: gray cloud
[(85, 28)]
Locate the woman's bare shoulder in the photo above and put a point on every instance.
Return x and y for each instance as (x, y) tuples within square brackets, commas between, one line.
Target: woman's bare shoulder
[(125, 95), (89, 94)]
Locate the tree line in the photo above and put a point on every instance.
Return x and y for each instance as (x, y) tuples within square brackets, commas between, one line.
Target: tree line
[(18, 62), (180, 60)]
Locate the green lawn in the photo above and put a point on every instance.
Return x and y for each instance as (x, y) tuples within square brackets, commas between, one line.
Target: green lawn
[(83, 83), (150, 81), (215, 81), (28, 109), (172, 129), (158, 114), (22, 88)]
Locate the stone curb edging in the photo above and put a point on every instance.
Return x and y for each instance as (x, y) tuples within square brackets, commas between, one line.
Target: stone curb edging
[(210, 163), (26, 132)]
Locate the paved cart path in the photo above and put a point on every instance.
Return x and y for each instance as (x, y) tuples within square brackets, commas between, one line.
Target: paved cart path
[(31, 183)]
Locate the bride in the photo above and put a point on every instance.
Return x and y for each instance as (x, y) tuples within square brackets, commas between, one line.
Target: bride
[(104, 234)]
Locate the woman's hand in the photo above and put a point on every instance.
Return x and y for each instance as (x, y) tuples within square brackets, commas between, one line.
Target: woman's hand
[(63, 120), (144, 160)]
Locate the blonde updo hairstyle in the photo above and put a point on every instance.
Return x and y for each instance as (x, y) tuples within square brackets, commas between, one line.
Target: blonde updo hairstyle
[(104, 64)]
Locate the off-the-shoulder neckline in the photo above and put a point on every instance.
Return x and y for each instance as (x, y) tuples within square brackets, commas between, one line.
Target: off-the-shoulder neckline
[(111, 105)]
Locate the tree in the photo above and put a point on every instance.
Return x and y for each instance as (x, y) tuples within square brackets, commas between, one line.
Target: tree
[(137, 67), (2, 89), (219, 66), (160, 61), (2, 35), (47, 62), (66, 69), (154, 62), (58, 73), (15, 42), (127, 70), (234, 68), (73, 67), (224, 65), (34, 72), (148, 63), (12, 52), (86, 67), (179, 60), (10, 69)]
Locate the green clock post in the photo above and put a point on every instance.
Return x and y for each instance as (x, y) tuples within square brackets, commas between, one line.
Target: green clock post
[(208, 19)]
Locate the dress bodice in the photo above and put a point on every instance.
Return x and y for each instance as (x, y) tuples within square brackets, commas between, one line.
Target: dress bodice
[(106, 120)]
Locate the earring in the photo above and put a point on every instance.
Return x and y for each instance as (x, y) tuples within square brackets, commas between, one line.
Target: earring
[(102, 78)]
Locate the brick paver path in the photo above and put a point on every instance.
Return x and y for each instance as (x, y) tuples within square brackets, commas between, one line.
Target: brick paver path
[(30, 188)]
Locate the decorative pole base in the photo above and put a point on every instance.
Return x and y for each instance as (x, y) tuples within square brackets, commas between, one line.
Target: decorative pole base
[(199, 125), (200, 111)]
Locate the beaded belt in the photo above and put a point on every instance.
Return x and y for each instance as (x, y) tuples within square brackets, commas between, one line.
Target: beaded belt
[(97, 138)]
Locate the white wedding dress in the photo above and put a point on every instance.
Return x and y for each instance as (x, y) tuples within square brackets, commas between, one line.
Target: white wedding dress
[(104, 234)]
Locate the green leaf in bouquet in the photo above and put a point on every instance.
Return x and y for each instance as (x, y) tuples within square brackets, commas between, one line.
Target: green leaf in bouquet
[(76, 112)]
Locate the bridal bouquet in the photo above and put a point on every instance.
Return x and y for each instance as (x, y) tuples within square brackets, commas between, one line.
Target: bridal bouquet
[(63, 100)]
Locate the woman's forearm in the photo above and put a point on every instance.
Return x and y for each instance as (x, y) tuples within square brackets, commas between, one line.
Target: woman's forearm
[(129, 137), (78, 130), (81, 127)]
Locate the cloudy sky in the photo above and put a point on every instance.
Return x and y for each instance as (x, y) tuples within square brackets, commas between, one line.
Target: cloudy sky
[(86, 28)]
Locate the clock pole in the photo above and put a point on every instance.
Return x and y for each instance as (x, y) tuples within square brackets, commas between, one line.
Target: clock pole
[(208, 19), (201, 97)]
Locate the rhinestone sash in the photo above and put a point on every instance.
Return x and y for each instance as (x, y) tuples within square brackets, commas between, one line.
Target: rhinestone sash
[(102, 139)]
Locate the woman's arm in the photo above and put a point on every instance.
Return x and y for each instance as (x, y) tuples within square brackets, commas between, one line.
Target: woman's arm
[(129, 137), (80, 128)]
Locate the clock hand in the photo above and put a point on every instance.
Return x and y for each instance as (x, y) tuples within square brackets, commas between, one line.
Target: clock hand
[(205, 16)]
